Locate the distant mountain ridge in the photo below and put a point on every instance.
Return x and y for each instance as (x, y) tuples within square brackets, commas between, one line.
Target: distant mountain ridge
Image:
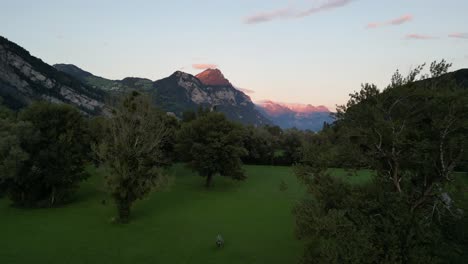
[(181, 92), (276, 108), (25, 78), (301, 116)]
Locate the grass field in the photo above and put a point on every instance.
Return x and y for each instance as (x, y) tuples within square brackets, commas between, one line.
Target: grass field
[(178, 225)]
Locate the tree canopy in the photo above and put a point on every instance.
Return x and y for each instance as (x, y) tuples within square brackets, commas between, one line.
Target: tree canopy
[(135, 149), (212, 145), (42, 154), (412, 135)]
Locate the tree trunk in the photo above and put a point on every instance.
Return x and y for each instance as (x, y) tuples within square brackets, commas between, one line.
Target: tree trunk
[(123, 208), (52, 199), (209, 179), (395, 177)]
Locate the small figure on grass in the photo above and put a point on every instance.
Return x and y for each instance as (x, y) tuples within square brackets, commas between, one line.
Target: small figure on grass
[(283, 186), (219, 241)]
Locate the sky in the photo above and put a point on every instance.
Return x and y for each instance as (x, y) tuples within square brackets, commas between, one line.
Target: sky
[(293, 51)]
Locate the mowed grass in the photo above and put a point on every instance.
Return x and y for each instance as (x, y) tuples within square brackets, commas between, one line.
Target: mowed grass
[(177, 225)]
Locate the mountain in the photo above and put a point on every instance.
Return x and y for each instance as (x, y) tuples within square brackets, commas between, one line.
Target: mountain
[(24, 79), (300, 116), (103, 83), (181, 92), (213, 77)]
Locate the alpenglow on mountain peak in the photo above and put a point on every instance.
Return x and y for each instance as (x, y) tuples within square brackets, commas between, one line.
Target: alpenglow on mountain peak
[(213, 77)]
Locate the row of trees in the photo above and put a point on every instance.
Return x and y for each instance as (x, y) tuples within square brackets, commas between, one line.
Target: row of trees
[(413, 135), (42, 154), (44, 150)]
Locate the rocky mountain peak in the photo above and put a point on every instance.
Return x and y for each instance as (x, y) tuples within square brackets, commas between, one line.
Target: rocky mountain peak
[(213, 77)]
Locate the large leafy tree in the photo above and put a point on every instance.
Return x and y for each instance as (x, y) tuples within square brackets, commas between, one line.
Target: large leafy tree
[(212, 145), (412, 135), (135, 149), (42, 154), (291, 144), (259, 144), (12, 155)]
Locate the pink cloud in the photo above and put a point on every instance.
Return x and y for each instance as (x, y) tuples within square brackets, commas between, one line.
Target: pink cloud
[(331, 4), (268, 16), (373, 25), (459, 35), (393, 22), (204, 66), (401, 20), (290, 13), (419, 36)]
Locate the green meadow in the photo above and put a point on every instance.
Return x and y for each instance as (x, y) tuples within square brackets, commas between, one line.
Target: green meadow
[(176, 225)]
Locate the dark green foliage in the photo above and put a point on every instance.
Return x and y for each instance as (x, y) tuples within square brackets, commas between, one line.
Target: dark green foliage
[(136, 147), (276, 131), (188, 116), (371, 223), (260, 146), (269, 145), (212, 145), (43, 154), (412, 132), (8, 142), (291, 143), (413, 135), (289, 146)]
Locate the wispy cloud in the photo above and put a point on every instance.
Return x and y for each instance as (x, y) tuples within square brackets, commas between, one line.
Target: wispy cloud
[(268, 16), (401, 20), (393, 22), (419, 36), (204, 66), (331, 4), (291, 13), (245, 90), (458, 35)]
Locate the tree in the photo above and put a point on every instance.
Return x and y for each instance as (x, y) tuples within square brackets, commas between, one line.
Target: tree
[(212, 144), (42, 154), (135, 151), (412, 135), (11, 154), (291, 145), (259, 144)]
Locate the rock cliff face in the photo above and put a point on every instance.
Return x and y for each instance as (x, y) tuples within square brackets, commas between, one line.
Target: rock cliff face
[(24, 78), (182, 91)]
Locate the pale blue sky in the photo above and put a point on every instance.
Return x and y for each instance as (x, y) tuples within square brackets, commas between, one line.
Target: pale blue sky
[(289, 55)]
